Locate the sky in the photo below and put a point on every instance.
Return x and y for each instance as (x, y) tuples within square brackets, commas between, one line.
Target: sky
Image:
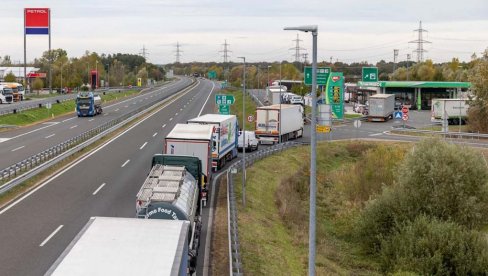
[(348, 30)]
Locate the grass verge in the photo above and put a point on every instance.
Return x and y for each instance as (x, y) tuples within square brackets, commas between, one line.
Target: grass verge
[(236, 108), (220, 241)]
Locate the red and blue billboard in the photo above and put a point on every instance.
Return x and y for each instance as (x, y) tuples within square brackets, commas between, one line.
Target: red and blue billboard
[(36, 21)]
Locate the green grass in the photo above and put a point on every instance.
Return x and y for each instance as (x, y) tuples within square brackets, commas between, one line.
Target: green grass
[(236, 108), (273, 227), (39, 114), (352, 116)]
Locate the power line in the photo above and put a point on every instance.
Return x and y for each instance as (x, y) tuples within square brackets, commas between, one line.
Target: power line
[(297, 48), (420, 43), (178, 52), (226, 51)]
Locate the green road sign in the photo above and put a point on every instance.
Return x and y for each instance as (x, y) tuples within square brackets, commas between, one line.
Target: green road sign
[(224, 99), (212, 74), (370, 74), (224, 109), (322, 75), (335, 94)]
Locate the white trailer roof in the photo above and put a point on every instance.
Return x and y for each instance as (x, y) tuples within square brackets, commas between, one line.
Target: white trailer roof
[(191, 132), (124, 246), (214, 118), (277, 106), (382, 96)]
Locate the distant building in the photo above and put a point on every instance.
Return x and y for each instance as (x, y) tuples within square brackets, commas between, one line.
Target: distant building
[(18, 72)]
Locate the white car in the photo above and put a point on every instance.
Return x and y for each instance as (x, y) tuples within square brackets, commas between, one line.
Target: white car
[(297, 100), (251, 142)]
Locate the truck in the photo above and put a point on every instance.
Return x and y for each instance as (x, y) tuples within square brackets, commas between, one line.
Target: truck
[(88, 104), (381, 107), (6, 94), (193, 140), (269, 118), (172, 191), (454, 109), (225, 136), (126, 246), (18, 90)]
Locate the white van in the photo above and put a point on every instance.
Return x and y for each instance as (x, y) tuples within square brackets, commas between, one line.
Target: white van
[(251, 142)]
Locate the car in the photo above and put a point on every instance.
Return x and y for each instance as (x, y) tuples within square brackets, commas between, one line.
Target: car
[(251, 142), (297, 100)]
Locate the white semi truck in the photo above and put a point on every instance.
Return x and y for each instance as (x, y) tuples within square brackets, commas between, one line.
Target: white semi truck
[(273, 121), (454, 110), (225, 136), (381, 107), (126, 246)]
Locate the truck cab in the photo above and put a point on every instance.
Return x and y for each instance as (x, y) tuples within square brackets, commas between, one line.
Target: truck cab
[(88, 104), (6, 94)]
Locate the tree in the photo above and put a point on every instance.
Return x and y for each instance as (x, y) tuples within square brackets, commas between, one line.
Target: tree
[(478, 111), (38, 85), (10, 77)]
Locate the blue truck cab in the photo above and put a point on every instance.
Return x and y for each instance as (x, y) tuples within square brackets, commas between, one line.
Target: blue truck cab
[(88, 104)]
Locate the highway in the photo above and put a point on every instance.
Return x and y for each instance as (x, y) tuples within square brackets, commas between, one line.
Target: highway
[(21, 143), (37, 227)]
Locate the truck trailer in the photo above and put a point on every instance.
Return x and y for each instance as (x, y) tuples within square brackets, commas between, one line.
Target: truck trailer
[(269, 118), (193, 140), (126, 246), (225, 136), (88, 104), (455, 110), (381, 107)]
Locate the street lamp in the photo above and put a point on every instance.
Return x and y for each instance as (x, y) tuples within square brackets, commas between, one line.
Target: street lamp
[(243, 134), (96, 77), (108, 75), (281, 112), (267, 85), (313, 189)]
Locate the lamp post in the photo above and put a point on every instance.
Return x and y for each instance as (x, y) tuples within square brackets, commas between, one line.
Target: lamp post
[(313, 144), (244, 134), (96, 77), (108, 75), (279, 119), (267, 86)]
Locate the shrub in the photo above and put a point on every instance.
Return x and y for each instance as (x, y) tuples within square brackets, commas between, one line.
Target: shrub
[(433, 247)]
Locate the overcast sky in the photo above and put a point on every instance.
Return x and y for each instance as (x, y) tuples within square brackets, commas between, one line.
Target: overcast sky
[(349, 30)]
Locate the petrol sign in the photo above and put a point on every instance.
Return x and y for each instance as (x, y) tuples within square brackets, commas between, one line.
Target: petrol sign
[(36, 21), (334, 94)]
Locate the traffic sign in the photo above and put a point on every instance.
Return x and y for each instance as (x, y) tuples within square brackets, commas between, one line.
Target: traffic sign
[(48, 105), (370, 74), (323, 129), (224, 109), (250, 118), (405, 117), (212, 74), (224, 99), (398, 115), (322, 75), (405, 110)]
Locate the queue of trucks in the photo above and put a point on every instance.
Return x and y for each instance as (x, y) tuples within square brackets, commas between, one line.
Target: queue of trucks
[(277, 122)]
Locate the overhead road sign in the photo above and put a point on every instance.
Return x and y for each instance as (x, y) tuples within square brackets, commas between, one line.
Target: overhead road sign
[(322, 75), (370, 74)]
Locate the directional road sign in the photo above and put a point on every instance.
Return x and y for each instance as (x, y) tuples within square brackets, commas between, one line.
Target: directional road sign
[(224, 109), (357, 123), (322, 75), (398, 115), (224, 99), (370, 74), (212, 74)]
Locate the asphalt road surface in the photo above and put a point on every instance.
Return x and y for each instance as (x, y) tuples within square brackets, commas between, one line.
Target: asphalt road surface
[(19, 144), (37, 227)]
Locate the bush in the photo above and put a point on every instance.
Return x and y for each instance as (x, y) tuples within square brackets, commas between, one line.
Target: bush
[(432, 247)]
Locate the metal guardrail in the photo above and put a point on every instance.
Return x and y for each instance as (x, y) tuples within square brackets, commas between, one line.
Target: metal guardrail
[(235, 264), (12, 173), (457, 135)]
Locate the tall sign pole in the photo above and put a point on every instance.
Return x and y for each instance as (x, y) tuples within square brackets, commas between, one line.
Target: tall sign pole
[(25, 51), (50, 56)]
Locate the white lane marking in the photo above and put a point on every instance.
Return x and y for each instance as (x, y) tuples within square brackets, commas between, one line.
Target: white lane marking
[(176, 114), (2, 211), (181, 109), (18, 148), (49, 136), (50, 123), (208, 97), (145, 98), (143, 145), (50, 236), (126, 106), (116, 109), (155, 133), (125, 163), (99, 188), (73, 126), (68, 119), (105, 114), (20, 135), (134, 103), (376, 134), (171, 119), (4, 139), (91, 119), (164, 125)]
